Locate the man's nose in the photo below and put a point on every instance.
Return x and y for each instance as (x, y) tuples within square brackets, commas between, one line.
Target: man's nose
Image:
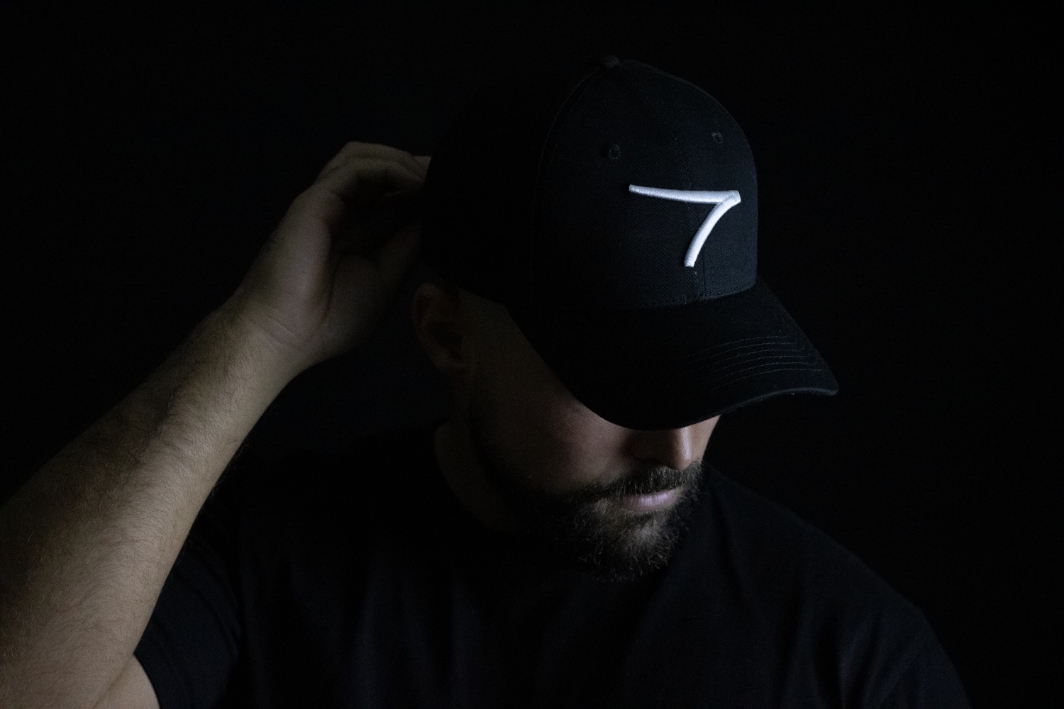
[(675, 448)]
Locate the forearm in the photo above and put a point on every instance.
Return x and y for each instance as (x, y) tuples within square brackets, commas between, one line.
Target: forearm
[(87, 543)]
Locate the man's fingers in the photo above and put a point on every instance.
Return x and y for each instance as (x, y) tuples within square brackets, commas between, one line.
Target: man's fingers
[(355, 151), (349, 190), (370, 196), (364, 172), (367, 230), (371, 177)]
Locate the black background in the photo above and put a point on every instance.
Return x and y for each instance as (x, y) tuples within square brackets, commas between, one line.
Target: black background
[(910, 186)]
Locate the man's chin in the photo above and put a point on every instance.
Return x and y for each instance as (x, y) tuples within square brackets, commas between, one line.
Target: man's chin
[(623, 538)]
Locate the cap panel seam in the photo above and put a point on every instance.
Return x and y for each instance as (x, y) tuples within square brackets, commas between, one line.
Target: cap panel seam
[(688, 184), (543, 164)]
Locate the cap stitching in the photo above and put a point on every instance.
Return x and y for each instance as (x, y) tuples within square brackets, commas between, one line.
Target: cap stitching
[(733, 380), (731, 344), (748, 356), (757, 363), (717, 354)]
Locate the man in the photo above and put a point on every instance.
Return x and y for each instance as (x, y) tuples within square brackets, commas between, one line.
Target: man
[(556, 542)]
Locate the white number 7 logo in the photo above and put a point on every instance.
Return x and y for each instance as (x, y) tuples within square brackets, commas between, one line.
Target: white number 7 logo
[(723, 200)]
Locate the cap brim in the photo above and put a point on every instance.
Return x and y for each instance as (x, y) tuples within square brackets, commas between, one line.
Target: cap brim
[(670, 368)]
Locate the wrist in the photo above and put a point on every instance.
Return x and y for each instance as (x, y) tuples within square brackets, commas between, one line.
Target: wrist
[(265, 360)]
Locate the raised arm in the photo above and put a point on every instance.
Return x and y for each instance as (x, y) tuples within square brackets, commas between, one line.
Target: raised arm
[(87, 542)]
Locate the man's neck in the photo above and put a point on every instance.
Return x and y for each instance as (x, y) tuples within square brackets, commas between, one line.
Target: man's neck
[(464, 473)]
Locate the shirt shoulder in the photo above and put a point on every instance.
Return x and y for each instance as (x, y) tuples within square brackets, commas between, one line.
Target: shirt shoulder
[(801, 614)]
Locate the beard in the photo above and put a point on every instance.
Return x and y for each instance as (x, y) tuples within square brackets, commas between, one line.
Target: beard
[(590, 528)]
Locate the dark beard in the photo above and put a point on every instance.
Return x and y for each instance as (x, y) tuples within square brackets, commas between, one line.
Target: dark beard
[(588, 528)]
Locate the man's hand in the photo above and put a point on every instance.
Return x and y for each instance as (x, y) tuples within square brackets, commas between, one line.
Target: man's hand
[(332, 266)]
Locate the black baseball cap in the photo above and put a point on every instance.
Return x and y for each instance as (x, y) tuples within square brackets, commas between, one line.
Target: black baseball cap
[(611, 207)]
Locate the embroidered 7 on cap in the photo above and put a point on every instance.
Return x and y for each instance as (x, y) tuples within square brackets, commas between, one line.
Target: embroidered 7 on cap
[(723, 200)]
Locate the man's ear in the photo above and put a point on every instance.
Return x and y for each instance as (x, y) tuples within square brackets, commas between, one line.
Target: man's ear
[(440, 327)]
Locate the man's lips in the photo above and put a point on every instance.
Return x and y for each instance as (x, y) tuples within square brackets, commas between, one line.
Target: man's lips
[(651, 502)]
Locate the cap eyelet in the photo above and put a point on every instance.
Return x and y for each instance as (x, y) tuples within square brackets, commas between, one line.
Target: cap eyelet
[(614, 152)]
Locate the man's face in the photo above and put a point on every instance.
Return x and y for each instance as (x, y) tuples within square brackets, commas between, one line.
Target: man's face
[(610, 498)]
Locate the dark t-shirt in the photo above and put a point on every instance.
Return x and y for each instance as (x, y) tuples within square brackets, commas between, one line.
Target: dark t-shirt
[(358, 580)]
